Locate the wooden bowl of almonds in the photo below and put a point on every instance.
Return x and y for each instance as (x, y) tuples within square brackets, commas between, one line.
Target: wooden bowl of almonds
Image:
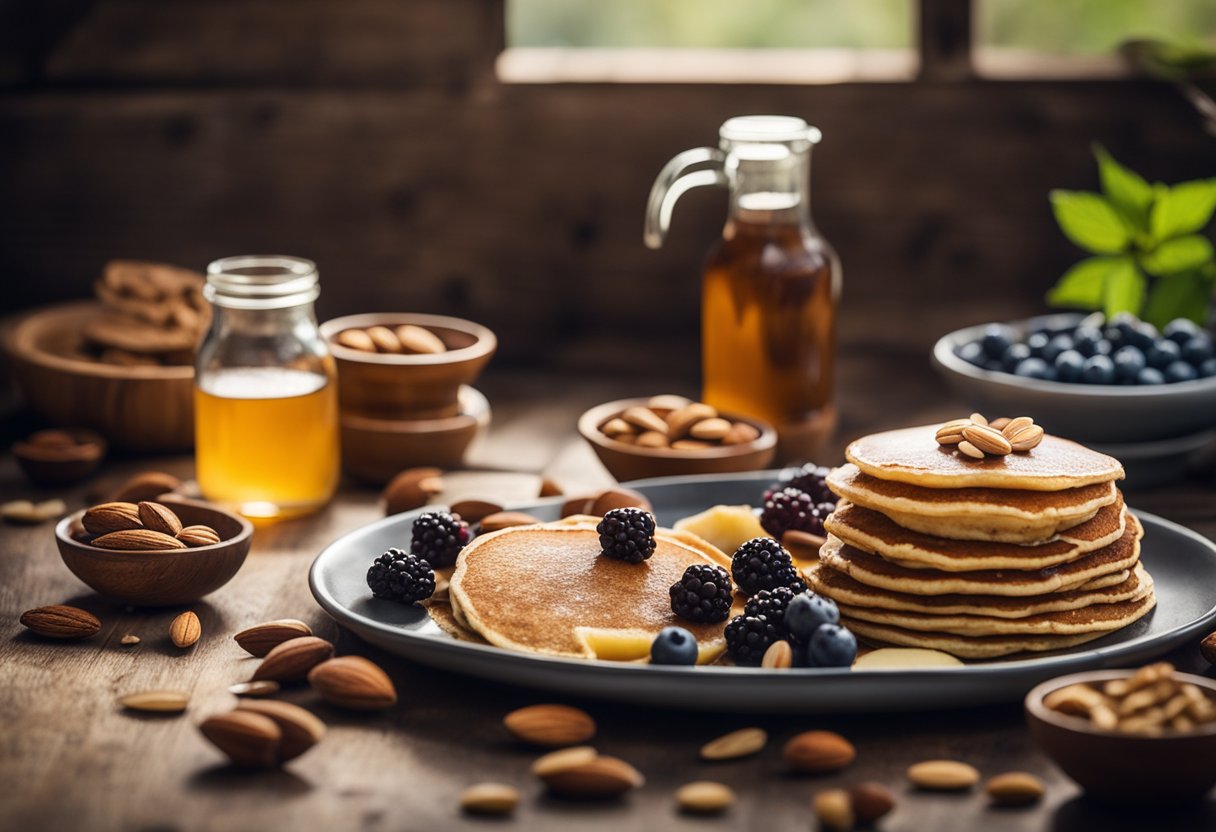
[(153, 554), (668, 435), (1144, 736), (406, 366)]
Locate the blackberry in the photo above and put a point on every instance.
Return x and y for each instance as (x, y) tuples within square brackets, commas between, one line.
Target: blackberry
[(791, 508), (748, 636), (813, 479), (401, 577), (761, 563), (771, 603), (438, 537), (703, 595), (627, 534)]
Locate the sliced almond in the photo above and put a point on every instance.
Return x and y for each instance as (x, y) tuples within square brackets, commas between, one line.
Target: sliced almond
[(779, 656), (489, 799), (264, 687), (129, 640), (1015, 788), (736, 744), (943, 775), (159, 701), (704, 797)]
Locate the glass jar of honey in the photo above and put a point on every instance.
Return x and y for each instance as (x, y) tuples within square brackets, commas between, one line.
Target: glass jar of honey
[(265, 398), (770, 286)]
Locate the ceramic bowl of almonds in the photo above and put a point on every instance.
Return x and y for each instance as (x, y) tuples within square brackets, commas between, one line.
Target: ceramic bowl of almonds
[(1144, 736), (154, 553), (406, 366), (669, 435)]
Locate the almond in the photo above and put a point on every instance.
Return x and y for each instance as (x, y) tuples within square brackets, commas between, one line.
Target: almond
[(564, 758), (710, 430), (741, 743), (644, 419), (291, 660), (871, 801), (606, 501), (412, 488), (943, 775), (147, 486), (970, 450), (262, 638), (353, 682), (506, 519), (159, 518), (196, 536), (185, 630), (19, 511), (300, 729), (1027, 438), (248, 739), (704, 797), (1015, 788), (59, 621), (779, 656), (1012, 426), (550, 725), (159, 701), (111, 517), (978, 419), (651, 439), (680, 422), (690, 445), (616, 427), (416, 339), (987, 440), (263, 687), (489, 799), (129, 640), (603, 777), (668, 402), (137, 540), (834, 809), (471, 511), (356, 339), (741, 433), (818, 751), (384, 339)]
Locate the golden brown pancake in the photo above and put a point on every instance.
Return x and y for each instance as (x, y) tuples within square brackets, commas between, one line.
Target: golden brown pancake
[(846, 591), (989, 514), (912, 455), (967, 647), (547, 589), (875, 571), (874, 532)]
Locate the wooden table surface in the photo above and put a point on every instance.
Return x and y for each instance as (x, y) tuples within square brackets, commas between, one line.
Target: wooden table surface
[(70, 758)]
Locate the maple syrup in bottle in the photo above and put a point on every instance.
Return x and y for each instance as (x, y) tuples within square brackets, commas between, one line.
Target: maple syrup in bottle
[(770, 285)]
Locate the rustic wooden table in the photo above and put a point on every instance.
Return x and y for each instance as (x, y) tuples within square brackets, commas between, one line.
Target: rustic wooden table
[(70, 758)]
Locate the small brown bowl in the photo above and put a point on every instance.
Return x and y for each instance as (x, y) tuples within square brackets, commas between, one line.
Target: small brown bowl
[(399, 386), (61, 465), (376, 450), (1120, 767), (160, 578), (629, 462)]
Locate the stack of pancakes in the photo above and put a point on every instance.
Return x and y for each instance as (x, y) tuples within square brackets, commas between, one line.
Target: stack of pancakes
[(980, 558)]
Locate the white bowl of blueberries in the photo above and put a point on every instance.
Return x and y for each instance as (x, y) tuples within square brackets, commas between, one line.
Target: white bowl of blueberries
[(1112, 383)]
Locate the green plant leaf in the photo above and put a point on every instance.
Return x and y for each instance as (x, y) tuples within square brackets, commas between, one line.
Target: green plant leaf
[(1124, 288), (1082, 286), (1090, 221), (1126, 189), (1180, 254), (1178, 296), (1183, 209)]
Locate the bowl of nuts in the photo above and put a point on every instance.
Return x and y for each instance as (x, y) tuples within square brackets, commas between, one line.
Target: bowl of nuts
[(154, 553), (668, 435), (406, 366), (1130, 736)]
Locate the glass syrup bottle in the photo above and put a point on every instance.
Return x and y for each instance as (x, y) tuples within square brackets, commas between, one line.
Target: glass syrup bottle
[(770, 286)]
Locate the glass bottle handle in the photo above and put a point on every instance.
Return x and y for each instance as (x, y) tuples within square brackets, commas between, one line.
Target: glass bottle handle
[(673, 181)]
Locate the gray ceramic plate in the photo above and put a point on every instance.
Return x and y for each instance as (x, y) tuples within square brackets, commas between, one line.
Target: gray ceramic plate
[(1182, 563)]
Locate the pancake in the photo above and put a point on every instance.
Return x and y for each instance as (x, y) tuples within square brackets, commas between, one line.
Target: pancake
[(988, 514), (872, 570), (546, 589), (847, 592), (966, 647), (912, 455), (874, 532)]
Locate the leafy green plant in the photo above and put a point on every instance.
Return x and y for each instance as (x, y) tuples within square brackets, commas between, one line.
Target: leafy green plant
[(1148, 255)]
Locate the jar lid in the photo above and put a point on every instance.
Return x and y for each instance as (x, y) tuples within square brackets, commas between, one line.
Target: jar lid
[(261, 281), (759, 129)]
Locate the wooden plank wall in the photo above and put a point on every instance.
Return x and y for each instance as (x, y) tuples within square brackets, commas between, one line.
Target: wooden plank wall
[(372, 136)]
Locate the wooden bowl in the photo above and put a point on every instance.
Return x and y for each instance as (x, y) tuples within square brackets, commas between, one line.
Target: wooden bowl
[(161, 578), (135, 408), (376, 450), (1125, 768), (390, 386), (630, 462), (51, 466)]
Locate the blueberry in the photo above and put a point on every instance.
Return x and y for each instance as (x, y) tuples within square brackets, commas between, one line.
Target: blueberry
[(674, 645), (807, 612), (1150, 375), (1162, 353), (1015, 355), (1141, 335), (1124, 322), (1198, 349), (972, 353), (1115, 336), (1068, 366), (1057, 345), (1085, 340), (1098, 369), (1032, 368), (1208, 368), (832, 646), (1037, 343), (1129, 361), (1181, 330), (996, 339), (1180, 371), (1103, 347)]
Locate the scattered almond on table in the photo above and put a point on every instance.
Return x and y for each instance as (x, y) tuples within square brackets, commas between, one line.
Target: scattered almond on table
[(292, 659), (262, 638), (1015, 788), (677, 423), (354, 683), (816, 752), (552, 726), (736, 744), (591, 779), (185, 630), (30, 513), (705, 797), (146, 485), (61, 621), (943, 775), (156, 701), (489, 799)]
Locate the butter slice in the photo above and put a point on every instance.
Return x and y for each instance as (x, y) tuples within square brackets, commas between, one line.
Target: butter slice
[(727, 527), (905, 658)]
